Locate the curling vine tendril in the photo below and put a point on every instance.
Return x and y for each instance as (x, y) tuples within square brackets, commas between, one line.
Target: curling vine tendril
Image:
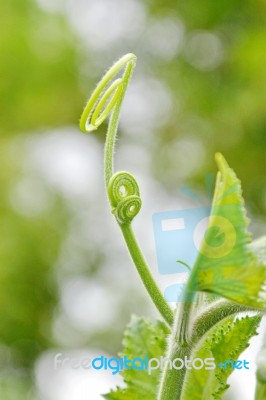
[(122, 188), (123, 192), (106, 100)]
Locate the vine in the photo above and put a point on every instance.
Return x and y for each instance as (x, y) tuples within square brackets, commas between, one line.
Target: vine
[(122, 188)]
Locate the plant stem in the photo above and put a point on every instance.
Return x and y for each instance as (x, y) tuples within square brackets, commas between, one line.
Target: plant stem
[(260, 391), (188, 330), (145, 274), (214, 314), (172, 379), (113, 125), (179, 347)]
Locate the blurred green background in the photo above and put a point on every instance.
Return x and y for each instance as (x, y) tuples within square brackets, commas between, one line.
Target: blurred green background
[(66, 282)]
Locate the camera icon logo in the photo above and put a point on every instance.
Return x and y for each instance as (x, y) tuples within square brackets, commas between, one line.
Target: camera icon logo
[(182, 235), (178, 235)]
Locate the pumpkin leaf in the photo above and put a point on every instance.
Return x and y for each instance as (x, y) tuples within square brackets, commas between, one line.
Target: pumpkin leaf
[(227, 264), (141, 339)]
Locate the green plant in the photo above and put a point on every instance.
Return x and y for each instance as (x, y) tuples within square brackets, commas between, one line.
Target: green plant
[(223, 300)]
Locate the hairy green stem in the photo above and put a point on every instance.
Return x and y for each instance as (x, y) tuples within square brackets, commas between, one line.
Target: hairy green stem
[(178, 347), (145, 274), (172, 379), (113, 125), (213, 314), (189, 328)]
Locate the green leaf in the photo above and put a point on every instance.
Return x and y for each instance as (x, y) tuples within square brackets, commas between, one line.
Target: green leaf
[(226, 342), (141, 339), (226, 265)]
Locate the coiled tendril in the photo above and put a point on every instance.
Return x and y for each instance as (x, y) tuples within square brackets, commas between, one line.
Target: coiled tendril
[(124, 196), (107, 95), (107, 99), (122, 188)]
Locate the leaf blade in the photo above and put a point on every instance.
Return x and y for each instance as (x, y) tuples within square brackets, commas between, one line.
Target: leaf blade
[(225, 342), (141, 338), (230, 269)]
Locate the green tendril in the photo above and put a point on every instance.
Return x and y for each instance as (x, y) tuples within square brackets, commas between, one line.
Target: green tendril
[(122, 188), (106, 100), (124, 196)]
